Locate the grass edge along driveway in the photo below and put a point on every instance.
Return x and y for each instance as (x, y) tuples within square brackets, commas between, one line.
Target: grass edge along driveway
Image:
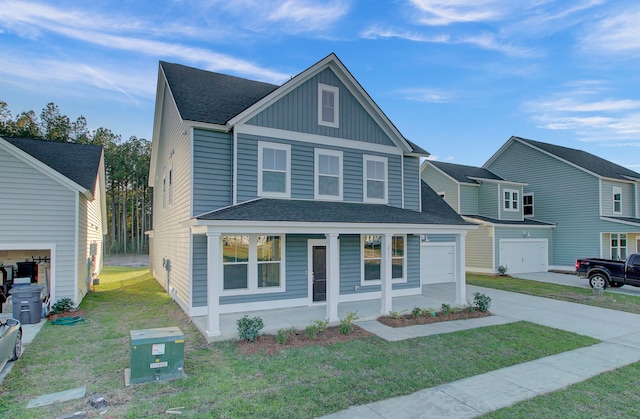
[(221, 382)]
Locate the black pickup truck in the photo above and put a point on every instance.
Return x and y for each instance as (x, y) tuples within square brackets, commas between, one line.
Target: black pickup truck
[(603, 273)]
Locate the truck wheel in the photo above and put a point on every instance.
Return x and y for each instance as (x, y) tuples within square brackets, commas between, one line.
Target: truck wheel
[(598, 281)]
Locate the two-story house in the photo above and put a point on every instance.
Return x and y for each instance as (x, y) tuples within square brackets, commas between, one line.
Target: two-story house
[(507, 235), (271, 196), (594, 203)]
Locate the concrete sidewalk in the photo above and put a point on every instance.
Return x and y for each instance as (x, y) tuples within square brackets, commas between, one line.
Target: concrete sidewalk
[(473, 396)]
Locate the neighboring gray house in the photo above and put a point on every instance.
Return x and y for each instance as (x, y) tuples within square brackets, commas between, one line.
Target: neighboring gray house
[(507, 235), (272, 196), (594, 203), (54, 210)]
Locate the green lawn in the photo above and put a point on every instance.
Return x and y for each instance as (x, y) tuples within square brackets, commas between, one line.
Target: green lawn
[(222, 382), (621, 302)]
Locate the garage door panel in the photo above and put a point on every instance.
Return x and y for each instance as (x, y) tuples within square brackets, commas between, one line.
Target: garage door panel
[(437, 264), (522, 256)]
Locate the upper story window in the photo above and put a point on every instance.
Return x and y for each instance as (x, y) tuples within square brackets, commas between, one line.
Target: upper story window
[(511, 198), (328, 174), (375, 179), (274, 170), (617, 200), (527, 204), (328, 108)]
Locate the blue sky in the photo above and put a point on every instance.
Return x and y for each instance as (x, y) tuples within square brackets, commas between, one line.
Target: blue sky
[(457, 77)]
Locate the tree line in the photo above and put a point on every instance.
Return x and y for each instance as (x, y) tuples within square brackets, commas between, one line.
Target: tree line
[(129, 198)]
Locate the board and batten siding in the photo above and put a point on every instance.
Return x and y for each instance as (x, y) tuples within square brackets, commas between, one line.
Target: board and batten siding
[(441, 183), (212, 170), (171, 241), (563, 195), (298, 111), (469, 199), (302, 170), (627, 192), (41, 211)]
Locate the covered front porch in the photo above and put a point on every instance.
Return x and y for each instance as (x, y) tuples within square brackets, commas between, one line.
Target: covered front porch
[(432, 296)]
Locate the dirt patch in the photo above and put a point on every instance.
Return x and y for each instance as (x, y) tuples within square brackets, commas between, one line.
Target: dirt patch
[(75, 313), (408, 319), (266, 344)]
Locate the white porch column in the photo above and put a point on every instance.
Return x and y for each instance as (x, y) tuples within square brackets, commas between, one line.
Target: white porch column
[(386, 300), (214, 276), (461, 271), (333, 277)]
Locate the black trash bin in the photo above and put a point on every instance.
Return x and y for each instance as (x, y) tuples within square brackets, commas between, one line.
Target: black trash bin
[(27, 303)]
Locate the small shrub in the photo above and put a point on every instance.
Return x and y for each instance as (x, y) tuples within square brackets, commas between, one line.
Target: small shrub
[(396, 314), (445, 308), (455, 310), (481, 301), (502, 270), (249, 328), (346, 325), (282, 336), (429, 312), (321, 325), (311, 331), (62, 305), (416, 312)]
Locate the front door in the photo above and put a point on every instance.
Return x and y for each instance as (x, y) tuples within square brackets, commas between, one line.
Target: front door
[(319, 273)]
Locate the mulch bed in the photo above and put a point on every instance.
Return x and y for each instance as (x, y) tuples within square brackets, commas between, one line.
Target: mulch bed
[(408, 320), (266, 344), (74, 313)]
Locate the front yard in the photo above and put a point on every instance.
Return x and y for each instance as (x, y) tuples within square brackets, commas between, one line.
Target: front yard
[(222, 382)]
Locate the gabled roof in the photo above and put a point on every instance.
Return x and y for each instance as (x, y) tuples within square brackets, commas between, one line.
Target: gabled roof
[(77, 162), (464, 174), (437, 208), (580, 158), (308, 211), (213, 98), (623, 220)]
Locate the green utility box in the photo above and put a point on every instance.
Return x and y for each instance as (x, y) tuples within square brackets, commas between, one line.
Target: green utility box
[(156, 354)]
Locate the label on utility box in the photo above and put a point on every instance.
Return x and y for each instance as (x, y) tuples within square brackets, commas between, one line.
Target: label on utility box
[(157, 349), (158, 364)]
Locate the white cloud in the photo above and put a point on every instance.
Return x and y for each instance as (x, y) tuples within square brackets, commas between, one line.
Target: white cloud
[(426, 95), (446, 12), (617, 34), (305, 16)]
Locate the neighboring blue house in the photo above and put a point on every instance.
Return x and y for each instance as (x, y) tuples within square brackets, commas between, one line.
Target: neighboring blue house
[(272, 196), (508, 235), (594, 203)]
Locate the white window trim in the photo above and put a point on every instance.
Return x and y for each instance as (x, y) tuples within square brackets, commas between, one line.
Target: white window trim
[(616, 190), (533, 204), (402, 280), (252, 268), (336, 105), (511, 200), (277, 146), (365, 159), (316, 170)]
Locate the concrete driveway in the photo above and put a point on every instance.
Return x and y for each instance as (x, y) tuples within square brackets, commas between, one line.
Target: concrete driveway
[(573, 280)]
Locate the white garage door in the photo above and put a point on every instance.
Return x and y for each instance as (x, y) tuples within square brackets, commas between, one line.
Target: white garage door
[(522, 256), (437, 263)]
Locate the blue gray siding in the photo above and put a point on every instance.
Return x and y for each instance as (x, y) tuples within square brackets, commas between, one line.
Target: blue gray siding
[(628, 202), (199, 270), (469, 199), (510, 215), (350, 266), (298, 111), (212, 170), (488, 200), (412, 183)]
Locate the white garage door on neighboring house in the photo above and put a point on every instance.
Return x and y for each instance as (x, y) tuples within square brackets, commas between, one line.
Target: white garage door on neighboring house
[(522, 256), (437, 262)]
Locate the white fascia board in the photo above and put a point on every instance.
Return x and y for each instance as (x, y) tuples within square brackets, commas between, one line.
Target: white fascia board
[(610, 179), (330, 61), (313, 139), (497, 181), (43, 168), (613, 220), (205, 125)]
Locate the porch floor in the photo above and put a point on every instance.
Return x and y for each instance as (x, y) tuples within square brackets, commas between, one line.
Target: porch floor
[(432, 296)]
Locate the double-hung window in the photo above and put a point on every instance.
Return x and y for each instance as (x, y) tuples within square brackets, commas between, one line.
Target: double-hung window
[(618, 246), (617, 200), (252, 263), (274, 170), (375, 179), (328, 174), (527, 204), (328, 105), (511, 197), (372, 258)]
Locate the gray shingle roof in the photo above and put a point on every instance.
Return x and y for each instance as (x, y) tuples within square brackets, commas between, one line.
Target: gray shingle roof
[(78, 162), (526, 222), (214, 98), (285, 210), (585, 160), (626, 219), (437, 208), (463, 173)]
